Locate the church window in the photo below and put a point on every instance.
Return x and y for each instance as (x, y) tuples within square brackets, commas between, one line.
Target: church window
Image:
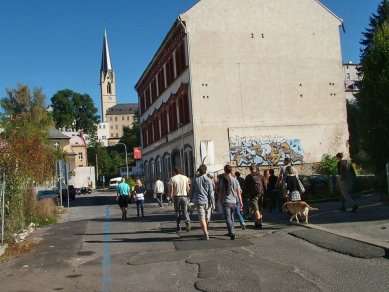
[(109, 87)]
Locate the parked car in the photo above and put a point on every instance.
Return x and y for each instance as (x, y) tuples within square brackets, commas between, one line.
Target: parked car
[(314, 182), (86, 190), (72, 193), (78, 191), (47, 194)]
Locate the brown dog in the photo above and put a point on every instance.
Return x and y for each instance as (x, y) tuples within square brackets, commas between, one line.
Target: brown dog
[(298, 208)]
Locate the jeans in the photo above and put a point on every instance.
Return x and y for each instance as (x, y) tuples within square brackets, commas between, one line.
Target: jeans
[(277, 197), (139, 203), (181, 206), (159, 199), (229, 210), (237, 211), (345, 194)]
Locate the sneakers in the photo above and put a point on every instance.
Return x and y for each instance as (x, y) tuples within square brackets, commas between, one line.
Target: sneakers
[(243, 226), (342, 209), (232, 237), (355, 207), (205, 237), (187, 226)]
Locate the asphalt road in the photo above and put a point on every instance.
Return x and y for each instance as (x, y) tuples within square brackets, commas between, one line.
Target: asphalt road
[(93, 249)]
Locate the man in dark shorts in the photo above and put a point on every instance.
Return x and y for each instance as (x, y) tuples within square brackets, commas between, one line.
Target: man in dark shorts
[(255, 198), (123, 197)]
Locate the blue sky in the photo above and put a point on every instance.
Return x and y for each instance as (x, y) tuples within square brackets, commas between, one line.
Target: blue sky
[(57, 44)]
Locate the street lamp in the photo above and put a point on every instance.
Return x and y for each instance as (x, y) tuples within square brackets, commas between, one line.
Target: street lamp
[(125, 149), (181, 125)]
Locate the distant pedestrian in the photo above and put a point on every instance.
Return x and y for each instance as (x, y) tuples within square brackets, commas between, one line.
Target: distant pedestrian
[(123, 198), (292, 191), (253, 187), (179, 187), (275, 199), (229, 192), (159, 190), (346, 175), (245, 207), (282, 176), (139, 196), (202, 193)]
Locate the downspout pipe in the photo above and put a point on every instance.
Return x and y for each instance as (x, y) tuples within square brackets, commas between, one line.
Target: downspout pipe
[(190, 93)]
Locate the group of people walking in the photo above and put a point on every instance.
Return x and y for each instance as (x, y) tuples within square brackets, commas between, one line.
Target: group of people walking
[(123, 197), (231, 193)]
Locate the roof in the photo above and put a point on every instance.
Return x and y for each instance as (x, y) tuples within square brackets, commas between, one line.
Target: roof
[(75, 139), (122, 108), (55, 134)]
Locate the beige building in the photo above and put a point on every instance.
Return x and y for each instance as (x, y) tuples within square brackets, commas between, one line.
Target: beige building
[(244, 82), (116, 115), (351, 76)]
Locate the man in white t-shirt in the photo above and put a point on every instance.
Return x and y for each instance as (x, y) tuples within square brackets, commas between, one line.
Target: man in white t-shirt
[(179, 187)]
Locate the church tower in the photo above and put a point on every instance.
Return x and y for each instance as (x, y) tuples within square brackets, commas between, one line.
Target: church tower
[(107, 80)]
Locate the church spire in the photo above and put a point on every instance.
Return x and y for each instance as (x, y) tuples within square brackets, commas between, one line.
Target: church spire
[(107, 80), (105, 58)]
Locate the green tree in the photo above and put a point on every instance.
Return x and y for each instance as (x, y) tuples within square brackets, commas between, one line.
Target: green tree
[(27, 158), (131, 136), (375, 22), (74, 110), (373, 99)]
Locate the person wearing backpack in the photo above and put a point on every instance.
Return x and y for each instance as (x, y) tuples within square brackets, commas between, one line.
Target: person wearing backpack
[(229, 193), (253, 188)]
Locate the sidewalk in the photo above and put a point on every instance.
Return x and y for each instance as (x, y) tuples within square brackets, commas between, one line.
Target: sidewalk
[(369, 224)]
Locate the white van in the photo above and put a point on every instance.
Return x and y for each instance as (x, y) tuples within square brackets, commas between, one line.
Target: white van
[(113, 183)]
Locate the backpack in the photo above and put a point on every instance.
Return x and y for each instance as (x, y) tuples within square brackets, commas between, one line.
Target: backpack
[(256, 187)]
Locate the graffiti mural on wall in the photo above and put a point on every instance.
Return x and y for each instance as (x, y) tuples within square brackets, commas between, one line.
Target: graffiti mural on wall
[(265, 150)]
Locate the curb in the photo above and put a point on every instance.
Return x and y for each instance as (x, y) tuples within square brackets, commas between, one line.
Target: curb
[(353, 236)]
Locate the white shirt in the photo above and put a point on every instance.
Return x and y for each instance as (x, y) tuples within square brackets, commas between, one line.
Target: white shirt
[(159, 187)]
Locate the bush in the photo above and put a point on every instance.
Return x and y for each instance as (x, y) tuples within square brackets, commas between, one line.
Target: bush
[(328, 165)]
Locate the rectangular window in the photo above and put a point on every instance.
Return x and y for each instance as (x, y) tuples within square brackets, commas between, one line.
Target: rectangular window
[(116, 127), (117, 135), (104, 138), (99, 126), (111, 134), (80, 156), (122, 118), (348, 76), (128, 118), (110, 118), (116, 118), (111, 127), (103, 126)]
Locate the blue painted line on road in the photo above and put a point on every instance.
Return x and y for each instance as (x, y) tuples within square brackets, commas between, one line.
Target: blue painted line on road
[(106, 262)]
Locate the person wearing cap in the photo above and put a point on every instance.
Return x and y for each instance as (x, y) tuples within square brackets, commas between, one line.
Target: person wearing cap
[(201, 193)]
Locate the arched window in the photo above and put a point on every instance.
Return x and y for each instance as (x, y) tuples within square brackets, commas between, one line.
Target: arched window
[(152, 170), (109, 88), (159, 168), (188, 162), (167, 168)]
